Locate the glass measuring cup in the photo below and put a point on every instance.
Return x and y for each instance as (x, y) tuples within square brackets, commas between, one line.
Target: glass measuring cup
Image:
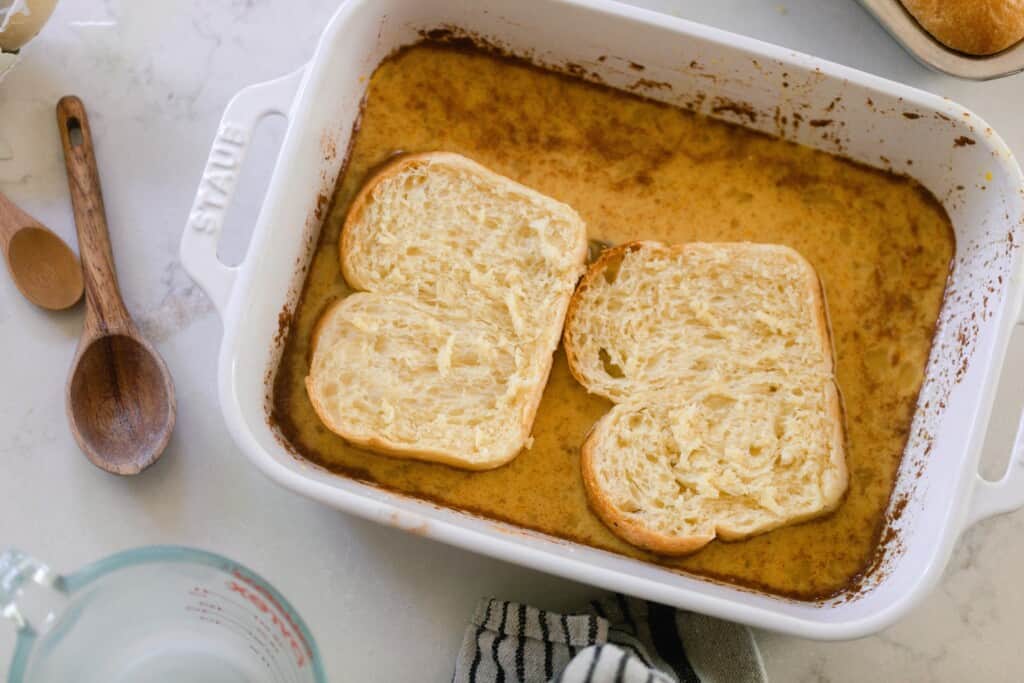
[(155, 614)]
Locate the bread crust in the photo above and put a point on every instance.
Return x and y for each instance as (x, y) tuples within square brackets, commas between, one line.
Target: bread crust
[(399, 164), (595, 270), (675, 546), (612, 254), (389, 448), (642, 536), (975, 27), (355, 211), (621, 525), (411, 451), (835, 489)]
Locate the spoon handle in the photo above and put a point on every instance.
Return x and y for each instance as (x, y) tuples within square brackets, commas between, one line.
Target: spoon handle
[(105, 311), (12, 219)]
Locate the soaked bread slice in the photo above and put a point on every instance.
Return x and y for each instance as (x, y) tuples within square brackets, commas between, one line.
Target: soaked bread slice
[(728, 420), (464, 278)]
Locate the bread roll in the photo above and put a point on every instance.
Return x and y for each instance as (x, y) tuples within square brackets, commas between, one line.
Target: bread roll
[(976, 27)]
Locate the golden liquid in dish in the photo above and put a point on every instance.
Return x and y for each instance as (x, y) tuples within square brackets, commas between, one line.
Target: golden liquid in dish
[(635, 169)]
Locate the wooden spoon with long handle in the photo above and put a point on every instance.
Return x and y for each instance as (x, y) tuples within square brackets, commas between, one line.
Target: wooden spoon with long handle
[(120, 398), (43, 267)]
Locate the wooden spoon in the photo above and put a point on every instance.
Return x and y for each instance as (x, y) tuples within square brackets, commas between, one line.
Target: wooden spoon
[(44, 269), (120, 398)]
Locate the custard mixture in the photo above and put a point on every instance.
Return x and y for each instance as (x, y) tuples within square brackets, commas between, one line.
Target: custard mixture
[(636, 169)]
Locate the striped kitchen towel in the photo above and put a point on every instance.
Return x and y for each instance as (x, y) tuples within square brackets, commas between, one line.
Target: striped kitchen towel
[(619, 640)]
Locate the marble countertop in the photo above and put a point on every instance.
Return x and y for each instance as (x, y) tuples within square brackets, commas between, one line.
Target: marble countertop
[(155, 77)]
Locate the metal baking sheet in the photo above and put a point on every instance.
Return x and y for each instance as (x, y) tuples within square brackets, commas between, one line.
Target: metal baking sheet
[(904, 28)]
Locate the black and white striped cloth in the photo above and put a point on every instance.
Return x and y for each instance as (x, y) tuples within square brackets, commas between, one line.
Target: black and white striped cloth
[(618, 640)]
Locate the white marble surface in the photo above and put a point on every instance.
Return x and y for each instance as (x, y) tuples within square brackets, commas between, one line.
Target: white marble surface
[(384, 606)]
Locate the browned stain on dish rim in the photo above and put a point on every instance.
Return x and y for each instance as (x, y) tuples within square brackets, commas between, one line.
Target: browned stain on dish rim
[(741, 110)]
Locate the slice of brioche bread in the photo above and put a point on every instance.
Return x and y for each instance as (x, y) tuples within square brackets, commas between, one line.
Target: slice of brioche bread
[(464, 277), (728, 421)]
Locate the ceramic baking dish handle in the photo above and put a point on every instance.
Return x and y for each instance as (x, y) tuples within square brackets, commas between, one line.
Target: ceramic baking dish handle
[(1006, 495), (220, 178)]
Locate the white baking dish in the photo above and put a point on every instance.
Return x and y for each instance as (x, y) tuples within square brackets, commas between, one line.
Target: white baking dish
[(875, 121)]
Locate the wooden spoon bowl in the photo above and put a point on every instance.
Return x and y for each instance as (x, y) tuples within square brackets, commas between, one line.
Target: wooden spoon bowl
[(123, 403), (120, 397), (44, 268)]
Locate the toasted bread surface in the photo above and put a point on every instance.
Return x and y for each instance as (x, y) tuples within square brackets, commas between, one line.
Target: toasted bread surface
[(728, 420), (463, 280)]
